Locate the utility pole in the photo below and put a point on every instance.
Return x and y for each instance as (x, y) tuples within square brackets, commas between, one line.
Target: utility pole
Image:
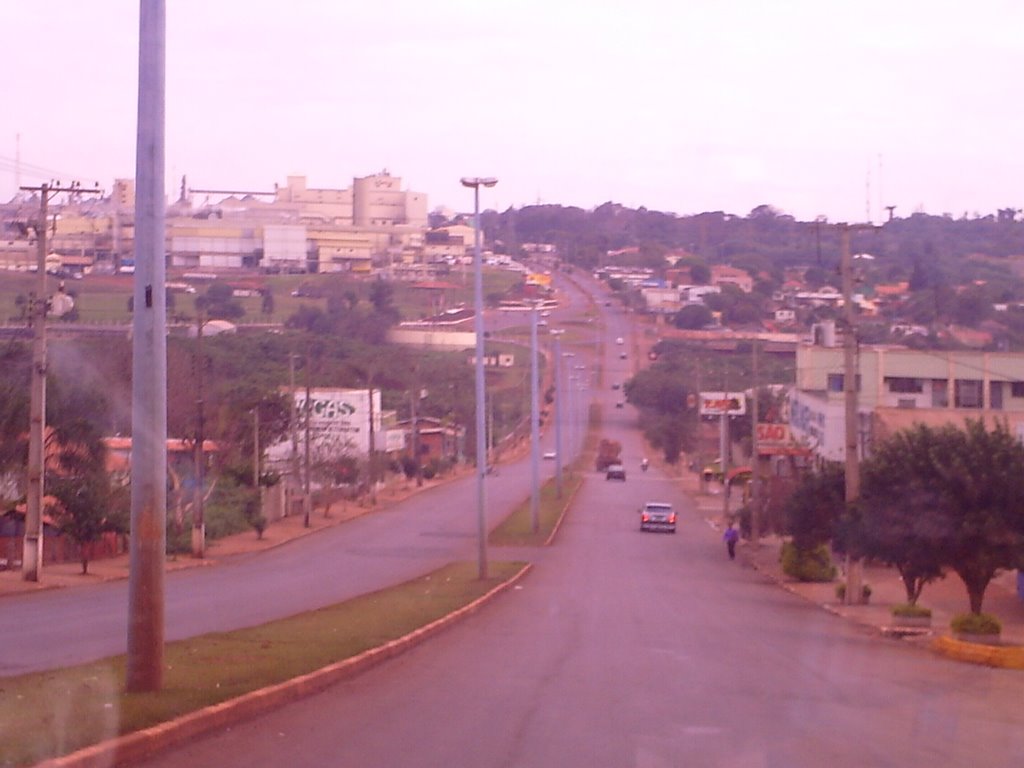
[(256, 447), (307, 499), (296, 477), (755, 475), (39, 306), (145, 657), (854, 567), (199, 456)]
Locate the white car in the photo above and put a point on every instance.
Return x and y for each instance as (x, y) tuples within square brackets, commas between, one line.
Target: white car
[(550, 455)]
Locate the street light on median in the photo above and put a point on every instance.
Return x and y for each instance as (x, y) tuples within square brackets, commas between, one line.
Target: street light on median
[(478, 325)]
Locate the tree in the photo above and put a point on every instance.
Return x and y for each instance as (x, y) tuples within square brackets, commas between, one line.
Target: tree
[(267, 301), (815, 506), (693, 316), (898, 529), (700, 273), (89, 506), (966, 486)]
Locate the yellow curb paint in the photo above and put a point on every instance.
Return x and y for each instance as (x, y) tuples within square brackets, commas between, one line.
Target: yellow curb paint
[(977, 653)]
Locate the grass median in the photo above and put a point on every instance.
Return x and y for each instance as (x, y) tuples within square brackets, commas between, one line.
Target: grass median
[(47, 714), (517, 528)]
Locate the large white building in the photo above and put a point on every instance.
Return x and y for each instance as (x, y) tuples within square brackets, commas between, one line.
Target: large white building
[(898, 387)]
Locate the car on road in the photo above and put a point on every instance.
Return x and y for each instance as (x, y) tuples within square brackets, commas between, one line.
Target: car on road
[(657, 516), (620, 340), (615, 472), (620, 404), (549, 455), (615, 385), (622, 355)]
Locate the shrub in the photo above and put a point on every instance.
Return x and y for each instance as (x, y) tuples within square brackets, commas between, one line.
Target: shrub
[(807, 565), (865, 591), (976, 624), (911, 611)]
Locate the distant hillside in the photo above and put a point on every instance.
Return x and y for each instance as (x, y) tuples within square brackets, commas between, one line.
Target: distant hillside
[(950, 250)]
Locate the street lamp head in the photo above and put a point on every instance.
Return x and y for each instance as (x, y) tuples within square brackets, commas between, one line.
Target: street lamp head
[(477, 181)]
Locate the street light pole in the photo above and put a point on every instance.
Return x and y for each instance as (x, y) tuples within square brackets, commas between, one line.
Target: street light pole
[(478, 307), (534, 428)]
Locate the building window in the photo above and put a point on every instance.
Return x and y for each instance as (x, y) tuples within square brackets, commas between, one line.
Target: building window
[(940, 393), (906, 402), (995, 395), (968, 393), (1017, 389), (835, 382), (904, 385)]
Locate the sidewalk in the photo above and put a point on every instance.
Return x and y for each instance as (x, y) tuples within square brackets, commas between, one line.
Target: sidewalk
[(945, 597)]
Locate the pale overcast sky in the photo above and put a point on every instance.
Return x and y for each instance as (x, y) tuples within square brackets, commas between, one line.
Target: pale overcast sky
[(814, 107)]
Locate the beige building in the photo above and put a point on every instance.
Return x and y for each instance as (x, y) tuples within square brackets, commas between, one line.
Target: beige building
[(722, 274), (899, 387)]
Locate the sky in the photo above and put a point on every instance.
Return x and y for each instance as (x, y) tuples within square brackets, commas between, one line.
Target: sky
[(832, 109)]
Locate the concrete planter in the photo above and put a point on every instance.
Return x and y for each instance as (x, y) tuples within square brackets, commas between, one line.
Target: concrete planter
[(912, 621), (977, 639)]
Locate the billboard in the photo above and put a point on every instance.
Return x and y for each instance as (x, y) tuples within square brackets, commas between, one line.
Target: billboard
[(777, 440), (339, 420), (723, 403)]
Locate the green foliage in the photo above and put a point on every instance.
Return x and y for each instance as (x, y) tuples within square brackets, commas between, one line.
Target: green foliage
[(813, 564), (693, 316), (911, 611), (944, 498), (865, 591), (815, 506), (976, 624), (89, 506)]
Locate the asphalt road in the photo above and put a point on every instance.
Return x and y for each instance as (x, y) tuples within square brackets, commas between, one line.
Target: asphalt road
[(624, 648), (49, 629)]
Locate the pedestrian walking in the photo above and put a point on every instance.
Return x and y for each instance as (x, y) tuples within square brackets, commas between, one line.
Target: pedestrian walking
[(730, 537)]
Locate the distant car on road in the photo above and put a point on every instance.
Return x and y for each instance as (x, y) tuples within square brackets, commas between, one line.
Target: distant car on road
[(615, 472), (620, 340), (549, 455), (657, 516), (622, 355), (615, 385), (619, 404)]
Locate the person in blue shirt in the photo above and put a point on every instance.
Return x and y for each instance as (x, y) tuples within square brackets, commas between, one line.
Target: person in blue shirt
[(730, 537)]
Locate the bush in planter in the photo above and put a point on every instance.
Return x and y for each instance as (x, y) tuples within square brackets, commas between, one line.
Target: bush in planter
[(911, 611), (807, 565), (865, 591), (976, 624)]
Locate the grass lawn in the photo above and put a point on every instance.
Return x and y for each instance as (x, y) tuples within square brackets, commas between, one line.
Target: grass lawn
[(46, 714), (516, 529)]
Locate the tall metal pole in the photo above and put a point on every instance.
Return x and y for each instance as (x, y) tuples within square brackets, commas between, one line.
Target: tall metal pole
[(149, 368), (559, 416), (478, 325), (534, 427)]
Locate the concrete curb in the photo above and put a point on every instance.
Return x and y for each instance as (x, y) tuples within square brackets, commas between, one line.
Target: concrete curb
[(143, 744), (1002, 657), (565, 511), (977, 653)]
